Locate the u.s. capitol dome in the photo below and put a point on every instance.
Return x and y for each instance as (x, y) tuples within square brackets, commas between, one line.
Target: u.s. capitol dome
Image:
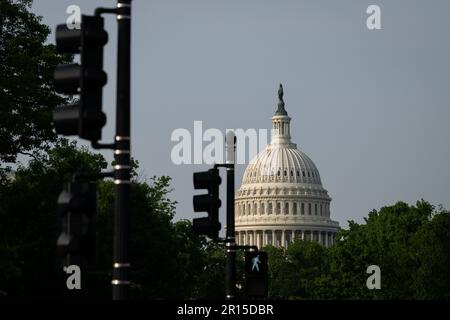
[(281, 197)]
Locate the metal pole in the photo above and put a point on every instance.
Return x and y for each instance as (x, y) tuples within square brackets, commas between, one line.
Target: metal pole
[(121, 264), (230, 242)]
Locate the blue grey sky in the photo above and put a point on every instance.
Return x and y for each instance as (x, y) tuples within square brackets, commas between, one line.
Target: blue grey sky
[(370, 108)]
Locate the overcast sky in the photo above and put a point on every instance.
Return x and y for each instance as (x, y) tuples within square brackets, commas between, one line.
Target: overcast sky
[(370, 108)]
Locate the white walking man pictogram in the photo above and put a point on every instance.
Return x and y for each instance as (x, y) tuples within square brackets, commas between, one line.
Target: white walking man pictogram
[(256, 263)]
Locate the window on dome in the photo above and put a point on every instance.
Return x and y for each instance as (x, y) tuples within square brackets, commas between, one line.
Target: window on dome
[(295, 208), (303, 172), (285, 173), (292, 173), (302, 209), (312, 173), (286, 208), (278, 173), (320, 209), (309, 208), (315, 209), (270, 208), (278, 207), (309, 176), (262, 208), (256, 208), (298, 173)]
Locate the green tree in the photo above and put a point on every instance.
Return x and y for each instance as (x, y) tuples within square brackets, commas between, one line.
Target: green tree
[(432, 243), (410, 244), (27, 95), (28, 223), (387, 239), (211, 282), (168, 259)]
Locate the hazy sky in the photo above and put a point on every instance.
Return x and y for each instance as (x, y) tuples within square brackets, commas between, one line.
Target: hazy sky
[(370, 108)]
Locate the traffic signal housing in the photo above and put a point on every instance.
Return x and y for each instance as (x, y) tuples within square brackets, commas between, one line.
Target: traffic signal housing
[(256, 274), (84, 118), (210, 225), (77, 210)]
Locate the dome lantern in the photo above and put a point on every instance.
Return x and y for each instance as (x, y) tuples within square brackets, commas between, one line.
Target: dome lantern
[(281, 132)]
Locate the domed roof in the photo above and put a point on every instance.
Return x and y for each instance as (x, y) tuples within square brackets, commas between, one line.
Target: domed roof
[(282, 163)]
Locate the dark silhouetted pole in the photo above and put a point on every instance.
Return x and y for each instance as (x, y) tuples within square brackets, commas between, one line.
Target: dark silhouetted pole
[(121, 264), (230, 241)]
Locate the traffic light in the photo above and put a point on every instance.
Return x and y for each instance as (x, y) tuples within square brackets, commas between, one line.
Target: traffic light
[(87, 79), (256, 274), (210, 203), (77, 207)]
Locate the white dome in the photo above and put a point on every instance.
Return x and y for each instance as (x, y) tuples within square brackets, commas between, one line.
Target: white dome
[(281, 196), (283, 163)]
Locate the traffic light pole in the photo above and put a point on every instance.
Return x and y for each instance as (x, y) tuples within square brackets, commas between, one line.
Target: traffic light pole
[(121, 264), (230, 241)]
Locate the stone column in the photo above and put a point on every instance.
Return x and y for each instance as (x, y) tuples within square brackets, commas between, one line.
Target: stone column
[(273, 238), (283, 238), (262, 238), (303, 234), (319, 236), (326, 238), (258, 239)]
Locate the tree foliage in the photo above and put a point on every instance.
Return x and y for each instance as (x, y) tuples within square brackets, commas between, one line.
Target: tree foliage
[(27, 95), (168, 259), (410, 244)]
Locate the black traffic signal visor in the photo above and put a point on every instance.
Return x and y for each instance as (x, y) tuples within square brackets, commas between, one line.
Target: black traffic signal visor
[(205, 202), (206, 226), (90, 32), (207, 179), (67, 78), (66, 119), (67, 40)]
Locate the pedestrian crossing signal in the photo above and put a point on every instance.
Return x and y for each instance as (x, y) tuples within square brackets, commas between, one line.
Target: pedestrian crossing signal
[(256, 274)]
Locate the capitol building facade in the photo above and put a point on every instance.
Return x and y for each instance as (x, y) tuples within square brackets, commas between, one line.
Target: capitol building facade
[(281, 197)]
